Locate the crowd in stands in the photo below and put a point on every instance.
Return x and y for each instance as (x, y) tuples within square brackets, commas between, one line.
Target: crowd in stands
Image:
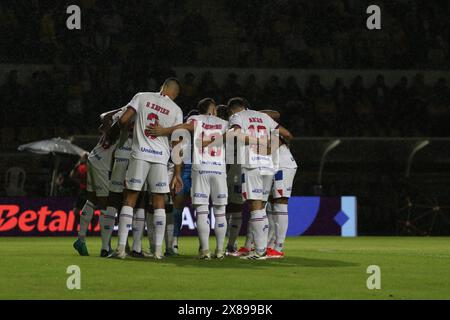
[(60, 102), (229, 33)]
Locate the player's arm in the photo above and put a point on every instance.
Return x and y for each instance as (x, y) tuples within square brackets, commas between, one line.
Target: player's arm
[(285, 134), (109, 114), (126, 118), (176, 185), (160, 131), (275, 115)]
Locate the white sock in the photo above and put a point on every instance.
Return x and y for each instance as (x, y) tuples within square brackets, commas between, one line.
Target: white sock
[(234, 227), (125, 222), (203, 227), (281, 225), (271, 235), (159, 223), (169, 236), (220, 226), (150, 232), (260, 226), (85, 219), (107, 219), (138, 228)]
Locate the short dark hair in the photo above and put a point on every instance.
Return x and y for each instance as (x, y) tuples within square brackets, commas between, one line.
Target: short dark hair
[(237, 102), (170, 81), (223, 112), (204, 104)]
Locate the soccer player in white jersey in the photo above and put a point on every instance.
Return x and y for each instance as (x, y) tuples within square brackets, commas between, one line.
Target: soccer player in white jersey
[(208, 174), (99, 167), (149, 158), (257, 169), (122, 156)]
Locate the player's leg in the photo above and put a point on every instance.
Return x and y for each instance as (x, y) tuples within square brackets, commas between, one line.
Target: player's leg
[(108, 219), (219, 196), (115, 198), (281, 220), (200, 199), (98, 187), (85, 219), (234, 224), (138, 225), (150, 228), (177, 213), (137, 171), (158, 184), (178, 206), (283, 182), (270, 218), (234, 208), (256, 190), (169, 228)]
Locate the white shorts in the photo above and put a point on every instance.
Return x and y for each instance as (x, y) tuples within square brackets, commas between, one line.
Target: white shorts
[(256, 184), (282, 183), (118, 175), (155, 174), (206, 184), (97, 181), (234, 183), (168, 197)]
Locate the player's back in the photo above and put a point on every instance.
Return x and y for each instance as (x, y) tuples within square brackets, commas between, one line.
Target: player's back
[(208, 127), (257, 125), (153, 109)]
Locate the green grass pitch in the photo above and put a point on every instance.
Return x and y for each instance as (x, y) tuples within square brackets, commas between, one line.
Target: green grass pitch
[(315, 268)]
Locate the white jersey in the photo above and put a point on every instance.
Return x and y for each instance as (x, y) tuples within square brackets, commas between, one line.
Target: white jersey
[(210, 158), (257, 125), (153, 108), (101, 156), (286, 159)]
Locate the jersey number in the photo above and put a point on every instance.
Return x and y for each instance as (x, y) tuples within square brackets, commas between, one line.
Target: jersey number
[(153, 121)]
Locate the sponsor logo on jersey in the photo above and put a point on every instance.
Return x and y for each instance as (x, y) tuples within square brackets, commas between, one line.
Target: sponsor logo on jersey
[(146, 150), (161, 184), (210, 172), (211, 126), (116, 183), (222, 196), (133, 180), (257, 190), (200, 195)]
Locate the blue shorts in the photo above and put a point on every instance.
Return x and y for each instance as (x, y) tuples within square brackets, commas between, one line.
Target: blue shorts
[(187, 181)]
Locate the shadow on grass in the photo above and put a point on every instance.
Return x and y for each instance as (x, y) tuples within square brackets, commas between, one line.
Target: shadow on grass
[(233, 262)]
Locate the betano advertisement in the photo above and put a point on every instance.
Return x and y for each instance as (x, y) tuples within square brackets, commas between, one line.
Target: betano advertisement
[(55, 217)]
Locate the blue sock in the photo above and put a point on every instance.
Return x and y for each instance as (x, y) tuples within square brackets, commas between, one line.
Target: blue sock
[(177, 221)]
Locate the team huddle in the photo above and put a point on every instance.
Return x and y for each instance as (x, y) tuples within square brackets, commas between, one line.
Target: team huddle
[(148, 161)]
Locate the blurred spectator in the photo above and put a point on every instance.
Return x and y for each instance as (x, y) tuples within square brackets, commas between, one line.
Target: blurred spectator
[(231, 87)]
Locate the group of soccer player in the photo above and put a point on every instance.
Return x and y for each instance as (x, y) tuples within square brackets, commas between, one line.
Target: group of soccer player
[(148, 161)]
